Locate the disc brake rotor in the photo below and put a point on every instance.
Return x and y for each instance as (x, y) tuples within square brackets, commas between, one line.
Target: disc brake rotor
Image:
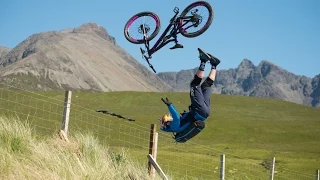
[(146, 27)]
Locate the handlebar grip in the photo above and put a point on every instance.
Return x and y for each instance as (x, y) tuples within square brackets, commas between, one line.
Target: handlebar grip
[(150, 65), (176, 10), (152, 68)]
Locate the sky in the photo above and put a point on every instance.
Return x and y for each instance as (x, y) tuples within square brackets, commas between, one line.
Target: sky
[(284, 32)]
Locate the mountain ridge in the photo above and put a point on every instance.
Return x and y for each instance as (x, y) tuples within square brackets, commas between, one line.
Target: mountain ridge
[(265, 80), (83, 58)]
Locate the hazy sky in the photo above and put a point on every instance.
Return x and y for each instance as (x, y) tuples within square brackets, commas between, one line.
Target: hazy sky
[(284, 32)]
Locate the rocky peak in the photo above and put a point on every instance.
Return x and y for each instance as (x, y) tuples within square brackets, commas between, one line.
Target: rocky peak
[(96, 29), (3, 52), (244, 69), (266, 67), (46, 39), (31, 45), (246, 64)]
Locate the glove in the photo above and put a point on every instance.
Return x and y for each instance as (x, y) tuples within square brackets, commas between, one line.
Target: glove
[(166, 101)]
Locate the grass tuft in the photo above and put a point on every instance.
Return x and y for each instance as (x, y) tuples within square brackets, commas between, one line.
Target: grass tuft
[(25, 156)]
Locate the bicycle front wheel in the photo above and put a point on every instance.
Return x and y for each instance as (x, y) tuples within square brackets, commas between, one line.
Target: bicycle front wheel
[(196, 19), (133, 30)]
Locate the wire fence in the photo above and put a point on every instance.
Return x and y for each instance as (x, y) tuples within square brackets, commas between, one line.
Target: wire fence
[(44, 111)]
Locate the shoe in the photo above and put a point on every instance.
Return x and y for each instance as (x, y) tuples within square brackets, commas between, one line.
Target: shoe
[(204, 57), (214, 61)]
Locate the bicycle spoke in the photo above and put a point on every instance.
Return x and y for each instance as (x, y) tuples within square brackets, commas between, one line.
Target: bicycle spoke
[(189, 25), (135, 30)]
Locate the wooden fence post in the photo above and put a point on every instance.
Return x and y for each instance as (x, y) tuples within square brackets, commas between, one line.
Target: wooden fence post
[(158, 168), (318, 175), (222, 166), (155, 146), (152, 149), (65, 116), (272, 168)]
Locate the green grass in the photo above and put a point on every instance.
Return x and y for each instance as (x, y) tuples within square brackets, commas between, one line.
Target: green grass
[(24, 155), (249, 131)]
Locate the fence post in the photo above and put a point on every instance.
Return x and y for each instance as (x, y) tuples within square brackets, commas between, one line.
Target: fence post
[(155, 146), (152, 149), (66, 113), (317, 174), (158, 168), (272, 168), (222, 166)]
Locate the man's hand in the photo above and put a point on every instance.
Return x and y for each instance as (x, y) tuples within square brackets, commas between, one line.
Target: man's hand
[(166, 101)]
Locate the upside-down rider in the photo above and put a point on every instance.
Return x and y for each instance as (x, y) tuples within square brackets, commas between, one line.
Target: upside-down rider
[(188, 124)]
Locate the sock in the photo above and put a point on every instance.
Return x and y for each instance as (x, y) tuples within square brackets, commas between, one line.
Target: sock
[(196, 81), (207, 83), (213, 67), (202, 66)]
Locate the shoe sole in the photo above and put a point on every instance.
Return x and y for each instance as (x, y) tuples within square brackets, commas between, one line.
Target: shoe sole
[(201, 51), (210, 57)]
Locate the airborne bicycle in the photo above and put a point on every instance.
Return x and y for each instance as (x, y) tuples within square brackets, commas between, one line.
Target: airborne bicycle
[(141, 28)]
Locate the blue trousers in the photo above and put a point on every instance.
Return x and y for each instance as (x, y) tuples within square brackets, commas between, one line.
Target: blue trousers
[(200, 99)]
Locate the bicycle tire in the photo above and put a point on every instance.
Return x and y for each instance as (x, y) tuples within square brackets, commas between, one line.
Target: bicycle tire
[(207, 24), (136, 40)]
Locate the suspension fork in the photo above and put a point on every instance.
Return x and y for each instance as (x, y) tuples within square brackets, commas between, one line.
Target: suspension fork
[(146, 43), (175, 32)]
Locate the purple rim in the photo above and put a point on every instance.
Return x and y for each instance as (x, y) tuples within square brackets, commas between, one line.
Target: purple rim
[(136, 17), (195, 5), (131, 21), (156, 19)]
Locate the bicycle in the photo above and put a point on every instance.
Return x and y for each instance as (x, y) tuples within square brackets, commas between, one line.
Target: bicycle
[(189, 18)]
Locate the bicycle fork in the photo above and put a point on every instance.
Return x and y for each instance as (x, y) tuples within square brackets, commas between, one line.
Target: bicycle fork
[(147, 45)]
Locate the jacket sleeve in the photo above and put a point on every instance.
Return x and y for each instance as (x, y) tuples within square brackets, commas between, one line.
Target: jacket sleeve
[(174, 113), (175, 124)]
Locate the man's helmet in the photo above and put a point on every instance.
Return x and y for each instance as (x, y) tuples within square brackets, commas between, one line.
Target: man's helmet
[(165, 120)]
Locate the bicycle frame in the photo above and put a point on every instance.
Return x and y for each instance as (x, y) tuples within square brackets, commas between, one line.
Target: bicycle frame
[(166, 36), (160, 42)]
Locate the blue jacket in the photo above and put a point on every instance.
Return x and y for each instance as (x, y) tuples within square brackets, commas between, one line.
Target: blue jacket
[(180, 123)]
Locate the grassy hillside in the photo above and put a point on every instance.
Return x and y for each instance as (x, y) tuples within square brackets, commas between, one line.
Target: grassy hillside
[(249, 131), (27, 156)]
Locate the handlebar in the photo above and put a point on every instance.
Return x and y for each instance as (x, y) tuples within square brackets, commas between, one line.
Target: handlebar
[(176, 10)]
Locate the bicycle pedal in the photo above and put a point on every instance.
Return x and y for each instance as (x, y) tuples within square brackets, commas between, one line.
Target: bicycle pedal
[(177, 46)]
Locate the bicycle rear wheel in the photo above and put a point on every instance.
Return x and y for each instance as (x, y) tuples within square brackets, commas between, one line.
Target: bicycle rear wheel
[(196, 19), (133, 30)]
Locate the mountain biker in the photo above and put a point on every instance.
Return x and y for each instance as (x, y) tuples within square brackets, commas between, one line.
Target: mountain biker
[(189, 124)]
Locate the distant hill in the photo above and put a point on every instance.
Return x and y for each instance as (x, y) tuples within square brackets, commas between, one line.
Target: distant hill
[(265, 80), (83, 58)]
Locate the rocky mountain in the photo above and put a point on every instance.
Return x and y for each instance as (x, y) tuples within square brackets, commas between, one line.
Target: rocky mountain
[(3, 52), (83, 58), (315, 95), (265, 80)]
